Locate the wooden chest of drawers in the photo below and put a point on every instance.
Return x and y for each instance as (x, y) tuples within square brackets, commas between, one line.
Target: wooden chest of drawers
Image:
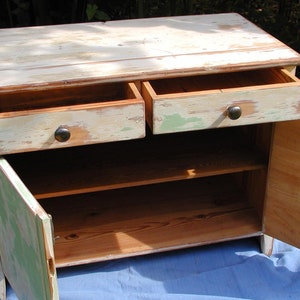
[(132, 137)]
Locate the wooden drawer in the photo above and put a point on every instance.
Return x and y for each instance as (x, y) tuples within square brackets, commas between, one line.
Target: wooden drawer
[(70, 116), (221, 100)]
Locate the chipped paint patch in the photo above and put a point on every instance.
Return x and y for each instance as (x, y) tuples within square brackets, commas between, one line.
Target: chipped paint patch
[(126, 129), (176, 122)]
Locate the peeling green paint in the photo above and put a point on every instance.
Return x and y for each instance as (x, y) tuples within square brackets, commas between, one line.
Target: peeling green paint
[(176, 122), (275, 115), (126, 129), (272, 112), (22, 248)]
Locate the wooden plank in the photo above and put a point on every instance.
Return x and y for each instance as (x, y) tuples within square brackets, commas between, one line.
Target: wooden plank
[(126, 222), (113, 51), (52, 98), (255, 182), (223, 81), (26, 247), (266, 244), (282, 205), (151, 160)]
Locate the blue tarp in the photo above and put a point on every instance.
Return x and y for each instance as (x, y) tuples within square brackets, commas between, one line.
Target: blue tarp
[(231, 270)]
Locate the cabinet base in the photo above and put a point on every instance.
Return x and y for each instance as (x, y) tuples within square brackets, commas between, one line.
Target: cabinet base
[(266, 244)]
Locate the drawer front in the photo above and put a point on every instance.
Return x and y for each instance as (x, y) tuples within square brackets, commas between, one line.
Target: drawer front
[(177, 112), (72, 125)]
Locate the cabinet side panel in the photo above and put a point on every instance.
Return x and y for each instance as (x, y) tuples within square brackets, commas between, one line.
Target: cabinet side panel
[(23, 253), (282, 206)]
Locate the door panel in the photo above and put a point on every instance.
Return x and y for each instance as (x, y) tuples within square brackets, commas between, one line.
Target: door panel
[(282, 206), (2, 284), (26, 246)]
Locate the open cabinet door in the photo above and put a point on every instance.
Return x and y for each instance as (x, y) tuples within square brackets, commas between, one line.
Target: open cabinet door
[(2, 284), (282, 205), (26, 245)]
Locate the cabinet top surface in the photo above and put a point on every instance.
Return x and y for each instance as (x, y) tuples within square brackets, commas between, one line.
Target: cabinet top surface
[(135, 49)]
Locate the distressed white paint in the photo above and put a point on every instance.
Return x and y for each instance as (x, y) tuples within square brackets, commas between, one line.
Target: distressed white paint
[(136, 49), (95, 124)]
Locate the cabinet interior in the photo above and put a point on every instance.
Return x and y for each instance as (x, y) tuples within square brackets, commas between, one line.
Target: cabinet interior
[(68, 95), (161, 192), (221, 81)]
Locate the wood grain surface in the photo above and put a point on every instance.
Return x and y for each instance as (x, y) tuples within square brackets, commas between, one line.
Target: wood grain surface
[(282, 205), (39, 57), (147, 219)]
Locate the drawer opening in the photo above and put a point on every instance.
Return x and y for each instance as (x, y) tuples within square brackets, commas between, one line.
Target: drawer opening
[(147, 219), (155, 159), (68, 95), (222, 81)]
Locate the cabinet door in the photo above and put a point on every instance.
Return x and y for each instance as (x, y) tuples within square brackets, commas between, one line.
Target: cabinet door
[(2, 283), (282, 206), (26, 245)]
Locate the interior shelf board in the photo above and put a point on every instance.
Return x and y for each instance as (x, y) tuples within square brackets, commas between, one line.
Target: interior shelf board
[(126, 222), (154, 236)]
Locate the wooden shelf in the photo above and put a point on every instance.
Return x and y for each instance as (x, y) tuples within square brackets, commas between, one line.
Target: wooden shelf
[(131, 221), (151, 160)]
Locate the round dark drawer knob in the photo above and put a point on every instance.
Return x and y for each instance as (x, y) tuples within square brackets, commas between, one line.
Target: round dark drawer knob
[(234, 112), (62, 134)]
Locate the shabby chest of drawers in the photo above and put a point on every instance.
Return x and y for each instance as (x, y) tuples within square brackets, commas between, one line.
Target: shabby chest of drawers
[(84, 179)]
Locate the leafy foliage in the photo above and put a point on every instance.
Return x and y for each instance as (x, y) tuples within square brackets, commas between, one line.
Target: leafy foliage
[(93, 13)]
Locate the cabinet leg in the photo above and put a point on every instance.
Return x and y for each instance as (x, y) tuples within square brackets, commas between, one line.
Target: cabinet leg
[(266, 244), (2, 284)]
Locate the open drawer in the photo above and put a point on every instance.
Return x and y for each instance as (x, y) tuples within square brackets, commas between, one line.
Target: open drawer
[(221, 100), (68, 116)]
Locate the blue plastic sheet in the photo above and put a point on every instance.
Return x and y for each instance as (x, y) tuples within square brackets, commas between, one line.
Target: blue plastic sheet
[(231, 270)]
